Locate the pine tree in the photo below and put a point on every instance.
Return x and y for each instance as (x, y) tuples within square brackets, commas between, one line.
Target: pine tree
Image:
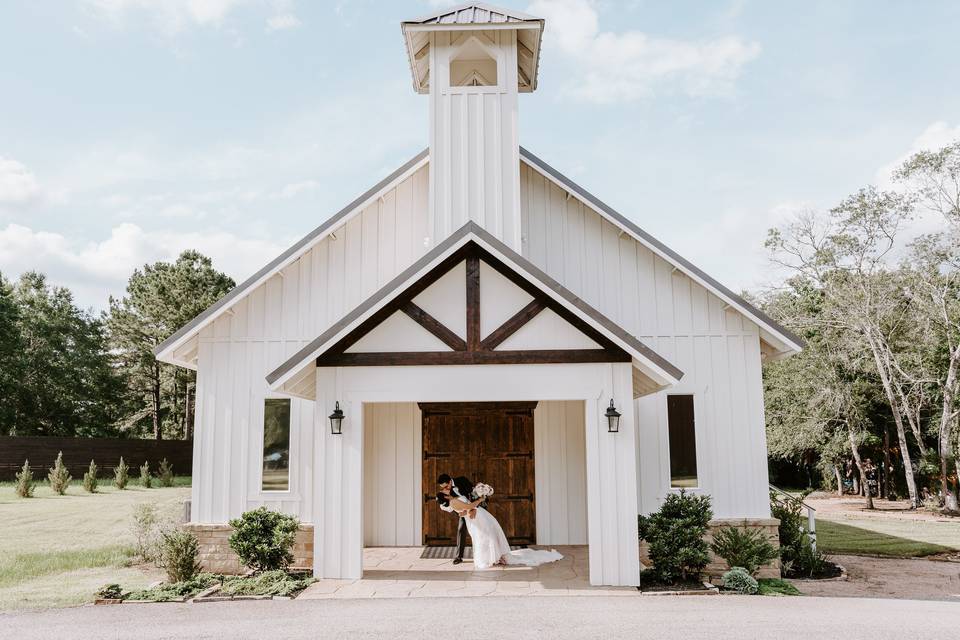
[(145, 479), (159, 299), (59, 476), (25, 484), (166, 473), (121, 475), (90, 478)]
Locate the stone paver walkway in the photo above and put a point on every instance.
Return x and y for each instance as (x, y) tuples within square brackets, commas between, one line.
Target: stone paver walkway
[(399, 572)]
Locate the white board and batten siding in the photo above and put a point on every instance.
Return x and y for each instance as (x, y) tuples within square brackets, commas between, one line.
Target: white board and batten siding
[(271, 323), (717, 348)]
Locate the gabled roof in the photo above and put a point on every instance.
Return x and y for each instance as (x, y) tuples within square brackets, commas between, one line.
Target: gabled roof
[(652, 364), (469, 16), (772, 331), (781, 338), (473, 13)]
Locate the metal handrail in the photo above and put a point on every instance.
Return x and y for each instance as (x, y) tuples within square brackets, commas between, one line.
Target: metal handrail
[(811, 516)]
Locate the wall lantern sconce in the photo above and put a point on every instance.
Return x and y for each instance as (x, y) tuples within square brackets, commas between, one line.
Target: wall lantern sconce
[(613, 418), (336, 421)]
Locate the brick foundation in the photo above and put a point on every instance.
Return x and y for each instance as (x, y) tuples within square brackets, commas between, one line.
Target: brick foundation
[(216, 556), (718, 566)]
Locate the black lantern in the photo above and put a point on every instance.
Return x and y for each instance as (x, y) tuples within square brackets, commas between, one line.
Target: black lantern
[(613, 418), (336, 421)]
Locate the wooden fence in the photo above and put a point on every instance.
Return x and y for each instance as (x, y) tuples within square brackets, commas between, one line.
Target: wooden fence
[(77, 453)]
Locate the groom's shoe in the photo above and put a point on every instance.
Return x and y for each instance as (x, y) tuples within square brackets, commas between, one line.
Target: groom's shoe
[(457, 560)]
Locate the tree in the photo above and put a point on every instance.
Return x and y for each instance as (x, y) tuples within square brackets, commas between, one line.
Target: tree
[(11, 362), (66, 383), (846, 258), (934, 287), (160, 298)]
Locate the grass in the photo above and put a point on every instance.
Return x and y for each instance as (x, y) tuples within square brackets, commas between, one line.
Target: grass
[(899, 538), (57, 550), (776, 587)]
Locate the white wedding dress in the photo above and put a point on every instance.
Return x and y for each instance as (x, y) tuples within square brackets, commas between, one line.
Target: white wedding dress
[(490, 544)]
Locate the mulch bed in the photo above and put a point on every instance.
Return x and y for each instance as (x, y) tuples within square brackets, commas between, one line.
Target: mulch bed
[(650, 586)]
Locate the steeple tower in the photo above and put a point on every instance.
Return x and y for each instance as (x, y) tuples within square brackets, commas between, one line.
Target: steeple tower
[(473, 60)]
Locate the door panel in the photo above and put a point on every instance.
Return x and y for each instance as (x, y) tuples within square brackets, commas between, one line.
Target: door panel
[(487, 442)]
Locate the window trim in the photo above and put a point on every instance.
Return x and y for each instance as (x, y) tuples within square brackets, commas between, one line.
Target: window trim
[(291, 492), (696, 440)]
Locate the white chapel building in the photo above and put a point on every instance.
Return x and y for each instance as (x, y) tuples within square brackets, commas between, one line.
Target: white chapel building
[(477, 313)]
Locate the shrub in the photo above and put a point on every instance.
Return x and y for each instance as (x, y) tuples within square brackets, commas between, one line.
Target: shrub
[(110, 592), (746, 548), (739, 579), (146, 531), (675, 535), (121, 475), (145, 479), (262, 539), (25, 484), (90, 478), (178, 555), (175, 591), (797, 556), (59, 476), (166, 473), (268, 583)]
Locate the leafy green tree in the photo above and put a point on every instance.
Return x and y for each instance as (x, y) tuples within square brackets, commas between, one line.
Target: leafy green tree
[(160, 298), (66, 383), (11, 361)]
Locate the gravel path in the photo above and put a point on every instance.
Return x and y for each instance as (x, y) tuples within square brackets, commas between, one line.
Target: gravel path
[(660, 618)]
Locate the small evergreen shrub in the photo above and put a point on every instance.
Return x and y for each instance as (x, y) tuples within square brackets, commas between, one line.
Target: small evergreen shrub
[(59, 476), (110, 592), (797, 556), (746, 548), (268, 583), (739, 579), (145, 479), (166, 473), (178, 555), (262, 539), (90, 481), (675, 536), (25, 484), (121, 475), (146, 531)]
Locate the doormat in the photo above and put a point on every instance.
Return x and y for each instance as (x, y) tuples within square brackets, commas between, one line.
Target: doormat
[(449, 553)]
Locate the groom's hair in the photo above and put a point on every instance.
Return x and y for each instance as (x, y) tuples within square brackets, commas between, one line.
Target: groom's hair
[(443, 478)]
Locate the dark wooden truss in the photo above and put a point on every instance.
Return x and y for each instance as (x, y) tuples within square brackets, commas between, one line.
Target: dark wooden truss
[(473, 350)]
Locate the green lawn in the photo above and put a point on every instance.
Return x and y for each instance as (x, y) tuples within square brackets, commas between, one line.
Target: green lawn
[(887, 536), (57, 550)]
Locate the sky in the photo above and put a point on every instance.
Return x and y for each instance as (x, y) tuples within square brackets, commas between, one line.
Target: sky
[(131, 130)]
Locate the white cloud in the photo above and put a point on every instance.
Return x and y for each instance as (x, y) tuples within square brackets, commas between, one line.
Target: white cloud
[(94, 270), (294, 189), (170, 16), (18, 185), (937, 135), (610, 67), (283, 21)]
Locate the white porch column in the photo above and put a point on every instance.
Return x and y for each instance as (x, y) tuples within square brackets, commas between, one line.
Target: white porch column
[(338, 460), (612, 485)]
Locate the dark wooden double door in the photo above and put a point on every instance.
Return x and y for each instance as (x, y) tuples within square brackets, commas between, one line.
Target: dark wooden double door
[(490, 442)]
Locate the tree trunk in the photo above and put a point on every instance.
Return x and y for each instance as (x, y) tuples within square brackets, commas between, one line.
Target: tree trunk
[(945, 440), (839, 477), (887, 466), (863, 476), (157, 431), (898, 421)]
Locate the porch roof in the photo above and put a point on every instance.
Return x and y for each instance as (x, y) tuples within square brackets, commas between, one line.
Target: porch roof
[(651, 370)]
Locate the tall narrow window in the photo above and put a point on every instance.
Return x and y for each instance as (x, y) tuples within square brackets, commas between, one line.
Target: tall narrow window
[(683, 441), (276, 444)]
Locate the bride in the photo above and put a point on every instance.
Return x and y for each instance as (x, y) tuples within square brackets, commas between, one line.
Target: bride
[(490, 546)]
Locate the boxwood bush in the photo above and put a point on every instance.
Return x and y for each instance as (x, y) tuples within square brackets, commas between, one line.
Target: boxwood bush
[(675, 535), (262, 539)]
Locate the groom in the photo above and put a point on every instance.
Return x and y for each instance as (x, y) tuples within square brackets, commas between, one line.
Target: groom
[(457, 487)]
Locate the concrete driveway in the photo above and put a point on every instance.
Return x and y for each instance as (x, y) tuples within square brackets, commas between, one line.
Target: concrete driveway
[(660, 618)]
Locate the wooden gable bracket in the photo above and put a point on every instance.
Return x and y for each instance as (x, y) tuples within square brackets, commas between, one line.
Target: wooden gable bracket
[(473, 350)]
